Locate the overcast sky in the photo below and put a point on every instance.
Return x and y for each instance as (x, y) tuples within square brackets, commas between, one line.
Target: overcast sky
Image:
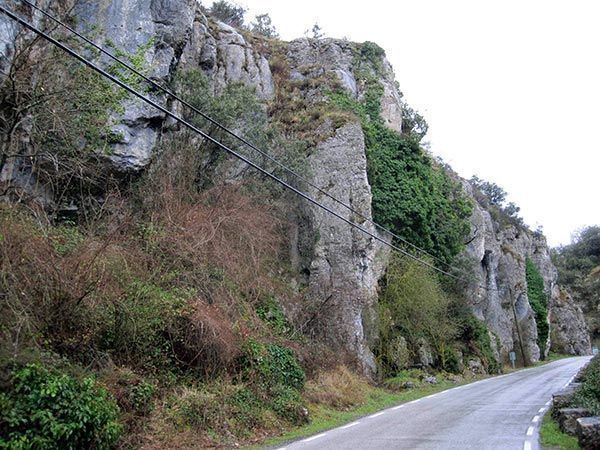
[(510, 89)]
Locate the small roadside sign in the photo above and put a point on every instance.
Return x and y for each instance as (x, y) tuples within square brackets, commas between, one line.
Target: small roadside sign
[(513, 357)]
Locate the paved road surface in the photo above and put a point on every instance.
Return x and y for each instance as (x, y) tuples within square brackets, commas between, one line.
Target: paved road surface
[(497, 413)]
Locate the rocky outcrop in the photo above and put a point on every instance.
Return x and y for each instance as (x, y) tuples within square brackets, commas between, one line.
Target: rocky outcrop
[(156, 32), (225, 55), (346, 264), (498, 293), (568, 330), (499, 249)]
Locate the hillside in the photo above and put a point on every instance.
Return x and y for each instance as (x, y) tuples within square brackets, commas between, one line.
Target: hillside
[(203, 303)]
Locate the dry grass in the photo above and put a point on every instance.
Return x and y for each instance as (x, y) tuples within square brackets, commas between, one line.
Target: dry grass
[(338, 388)]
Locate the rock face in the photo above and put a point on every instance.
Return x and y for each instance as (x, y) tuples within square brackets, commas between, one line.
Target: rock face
[(498, 294), (346, 263), (171, 35), (569, 333)]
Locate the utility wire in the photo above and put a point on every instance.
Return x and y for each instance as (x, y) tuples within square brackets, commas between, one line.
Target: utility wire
[(234, 135), (232, 152)]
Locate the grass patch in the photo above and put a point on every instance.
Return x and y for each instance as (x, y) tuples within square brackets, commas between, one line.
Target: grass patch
[(552, 438)]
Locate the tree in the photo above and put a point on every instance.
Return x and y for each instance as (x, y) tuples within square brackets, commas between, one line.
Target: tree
[(578, 267), (413, 123), (229, 13), (317, 31), (262, 25), (495, 194), (414, 306)]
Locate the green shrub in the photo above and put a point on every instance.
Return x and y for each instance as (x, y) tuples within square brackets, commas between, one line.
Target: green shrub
[(588, 395), (287, 403), (140, 397), (272, 365), (412, 304), (271, 312), (475, 334), (50, 410), (538, 301), (136, 328), (412, 196)]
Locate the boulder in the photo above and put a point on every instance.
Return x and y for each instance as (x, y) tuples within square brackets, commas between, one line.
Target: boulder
[(431, 380), (424, 353), (475, 366), (562, 399), (588, 432), (567, 419)]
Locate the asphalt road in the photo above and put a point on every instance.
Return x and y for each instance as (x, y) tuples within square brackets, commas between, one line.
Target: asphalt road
[(503, 412)]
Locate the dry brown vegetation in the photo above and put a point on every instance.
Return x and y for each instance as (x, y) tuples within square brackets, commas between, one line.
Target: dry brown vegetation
[(338, 388)]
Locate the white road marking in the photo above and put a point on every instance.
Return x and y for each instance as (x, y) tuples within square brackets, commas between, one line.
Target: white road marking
[(398, 407), (314, 437), (376, 415), (527, 445), (548, 402), (529, 431), (541, 410), (535, 419), (349, 425)]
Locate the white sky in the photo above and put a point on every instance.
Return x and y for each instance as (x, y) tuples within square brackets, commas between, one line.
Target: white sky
[(510, 89)]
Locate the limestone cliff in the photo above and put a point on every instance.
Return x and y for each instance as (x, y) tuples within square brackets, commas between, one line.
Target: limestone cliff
[(341, 266), (499, 249)]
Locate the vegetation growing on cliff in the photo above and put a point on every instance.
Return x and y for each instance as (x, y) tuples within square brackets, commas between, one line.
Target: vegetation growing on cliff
[(412, 196), (415, 313), (164, 284), (538, 300), (578, 267), (493, 198)]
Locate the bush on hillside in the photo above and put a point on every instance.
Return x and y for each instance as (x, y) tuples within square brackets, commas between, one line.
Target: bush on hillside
[(51, 410), (228, 12), (413, 305), (588, 394), (412, 195)]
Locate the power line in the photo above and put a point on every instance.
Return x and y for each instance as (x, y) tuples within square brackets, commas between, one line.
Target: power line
[(234, 135), (219, 144)]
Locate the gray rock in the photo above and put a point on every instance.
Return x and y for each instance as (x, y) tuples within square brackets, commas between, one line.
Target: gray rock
[(158, 28), (8, 36), (562, 399), (567, 419), (424, 353), (408, 385), (588, 432), (345, 264), (397, 352), (498, 254), (318, 57), (431, 380), (569, 331), (475, 366), (226, 57)]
